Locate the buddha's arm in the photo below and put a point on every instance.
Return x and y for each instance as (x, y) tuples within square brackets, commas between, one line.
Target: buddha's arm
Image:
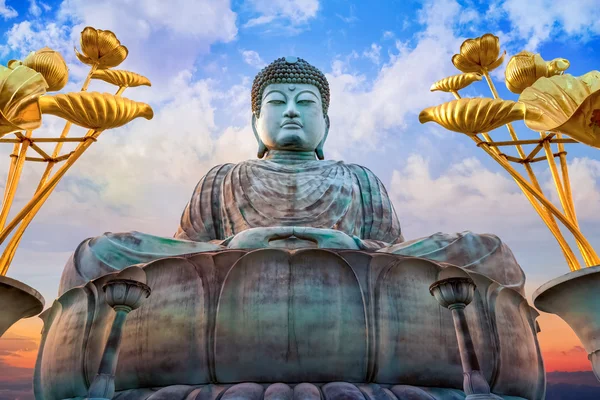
[(201, 220)]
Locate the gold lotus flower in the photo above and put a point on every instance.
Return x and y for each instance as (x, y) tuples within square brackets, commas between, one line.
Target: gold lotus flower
[(479, 54), (20, 89), (455, 82), (524, 68), (565, 104), (121, 78), (101, 48), (95, 110), (473, 116), (51, 65)]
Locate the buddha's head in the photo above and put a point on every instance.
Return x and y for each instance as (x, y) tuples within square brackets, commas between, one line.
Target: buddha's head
[(290, 99)]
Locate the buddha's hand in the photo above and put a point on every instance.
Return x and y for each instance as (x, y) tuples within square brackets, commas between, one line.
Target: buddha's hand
[(291, 237)]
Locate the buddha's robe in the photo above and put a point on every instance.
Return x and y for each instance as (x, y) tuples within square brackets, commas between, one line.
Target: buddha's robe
[(262, 193), (233, 198)]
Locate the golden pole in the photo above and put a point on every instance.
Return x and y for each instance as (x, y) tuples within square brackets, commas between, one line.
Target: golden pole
[(562, 154), (540, 197), (544, 214), (587, 252), (11, 170), (14, 182), (9, 252)]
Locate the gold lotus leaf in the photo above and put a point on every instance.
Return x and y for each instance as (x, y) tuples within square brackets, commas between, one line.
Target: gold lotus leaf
[(479, 54), (473, 115), (51, 65), (456, 82), (95, 110), (20, 89), (121, 78), (524, 68), (566, 104), (101, 48)]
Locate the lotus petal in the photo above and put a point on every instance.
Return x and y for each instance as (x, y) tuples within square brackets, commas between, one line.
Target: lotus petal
[(101, 48), (455, 82), (473, 116), (95, 110), (20, 89), (479, 54), (121, 78), (525, 68), (51, 65), (565, 104)]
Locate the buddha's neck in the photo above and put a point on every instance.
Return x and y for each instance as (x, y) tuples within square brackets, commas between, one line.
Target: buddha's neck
[(290, 157)]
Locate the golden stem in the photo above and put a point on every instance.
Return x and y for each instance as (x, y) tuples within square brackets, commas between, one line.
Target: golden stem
[(11, 248), (14, 181), (89, 78), (11, 170), (542, 199), (544, 214), (565, 176)]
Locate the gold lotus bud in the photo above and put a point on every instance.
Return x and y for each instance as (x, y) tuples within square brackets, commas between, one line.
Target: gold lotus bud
[(456, 82), (473, 116), (101, 48), (121, 78), (95, 110), (51, 65), (479, 54), (524, 68), (20, 89), (565, 104)]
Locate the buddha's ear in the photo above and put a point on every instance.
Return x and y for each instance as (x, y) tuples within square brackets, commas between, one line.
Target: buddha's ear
[(319, 149), (262, 149)]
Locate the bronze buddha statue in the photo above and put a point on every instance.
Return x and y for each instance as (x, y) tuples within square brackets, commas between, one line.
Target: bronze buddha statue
[(289, 278)]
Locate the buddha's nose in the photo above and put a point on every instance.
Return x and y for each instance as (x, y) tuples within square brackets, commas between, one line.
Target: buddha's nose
[(291, 112)]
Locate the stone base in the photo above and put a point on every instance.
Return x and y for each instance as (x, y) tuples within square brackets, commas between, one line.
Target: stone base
[(18, 301), (304, 391)]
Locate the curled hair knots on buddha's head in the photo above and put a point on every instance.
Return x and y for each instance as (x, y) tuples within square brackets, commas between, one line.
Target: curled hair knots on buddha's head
[(289, 70)]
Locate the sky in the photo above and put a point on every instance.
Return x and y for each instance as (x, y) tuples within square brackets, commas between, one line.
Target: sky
[(380, 58)]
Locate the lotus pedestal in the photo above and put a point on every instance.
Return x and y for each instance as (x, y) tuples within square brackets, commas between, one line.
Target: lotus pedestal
[(17, 301), (575, 297)]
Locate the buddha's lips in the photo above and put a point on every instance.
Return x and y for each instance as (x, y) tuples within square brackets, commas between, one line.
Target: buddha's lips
[(296, 123)]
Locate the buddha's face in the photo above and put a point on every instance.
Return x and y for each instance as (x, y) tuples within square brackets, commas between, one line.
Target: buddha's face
[(291, 117)]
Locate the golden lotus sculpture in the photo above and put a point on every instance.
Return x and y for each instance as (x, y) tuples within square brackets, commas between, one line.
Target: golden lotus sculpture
[(23, 101), (479, 55), (551, 103), (525, 68)]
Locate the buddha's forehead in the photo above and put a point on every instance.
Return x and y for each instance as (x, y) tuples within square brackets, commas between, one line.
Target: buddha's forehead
[(291, 89)]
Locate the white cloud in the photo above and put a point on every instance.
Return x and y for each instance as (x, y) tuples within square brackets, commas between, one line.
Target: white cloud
[(365, 111), (539, 20), (34, 8), (373, 53), (6, 11), (294, 12), (252, 58)]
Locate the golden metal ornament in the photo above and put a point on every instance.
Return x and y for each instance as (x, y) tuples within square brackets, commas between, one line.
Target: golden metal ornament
[(121, 78), (565, 104), (455, 83), (473, 116), (524, 68), (20, 89), (101, 49), (51, 65), (95, 110), (479, 55)]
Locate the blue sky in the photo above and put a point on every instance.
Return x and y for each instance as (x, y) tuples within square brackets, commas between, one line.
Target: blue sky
[(380, 58)]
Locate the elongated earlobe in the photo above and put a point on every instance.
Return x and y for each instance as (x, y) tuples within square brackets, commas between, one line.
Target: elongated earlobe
[(262, 149), (319, 149)]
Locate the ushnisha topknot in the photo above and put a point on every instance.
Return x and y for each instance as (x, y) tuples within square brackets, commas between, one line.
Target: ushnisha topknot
[(289, 70)]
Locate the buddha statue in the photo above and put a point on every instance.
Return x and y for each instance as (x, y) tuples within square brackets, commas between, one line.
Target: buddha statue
[(290, 197), (289, 278)]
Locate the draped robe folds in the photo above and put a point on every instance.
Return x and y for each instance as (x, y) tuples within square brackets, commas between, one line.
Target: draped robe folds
[(262, 193)]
